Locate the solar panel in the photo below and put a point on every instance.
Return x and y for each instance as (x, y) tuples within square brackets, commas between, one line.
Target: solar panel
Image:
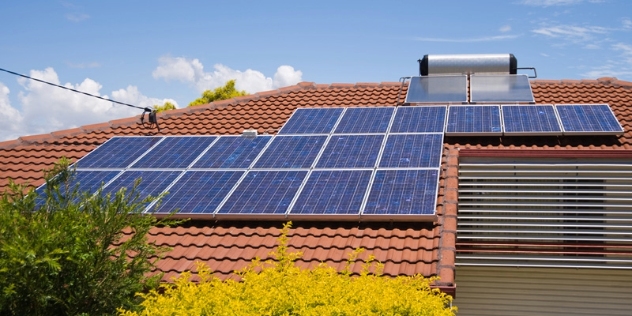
[(312, 121), (152, 182), (530, 120), (403, 192), (480, 120), (291, 152), (351, 151), (86, 181), (333, 192), (419, 119), (199, 191), (232, 152), (118, 152), (175, 152), (412, 150), (365, 120), (500, 88), (588, 119), (264, 192), (437, 89)]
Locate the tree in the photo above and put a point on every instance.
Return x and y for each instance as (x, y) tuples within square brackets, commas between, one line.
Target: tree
[(281, 288), (228, 91), (165, 107), (63, 253)]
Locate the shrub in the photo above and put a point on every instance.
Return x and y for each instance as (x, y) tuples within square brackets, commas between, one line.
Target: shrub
[(281, 288), (56, 253)]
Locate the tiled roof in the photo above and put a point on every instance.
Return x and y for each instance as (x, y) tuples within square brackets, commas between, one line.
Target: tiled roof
[(404, 248)]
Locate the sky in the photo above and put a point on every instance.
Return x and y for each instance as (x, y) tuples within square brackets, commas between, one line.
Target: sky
[(149, 52)]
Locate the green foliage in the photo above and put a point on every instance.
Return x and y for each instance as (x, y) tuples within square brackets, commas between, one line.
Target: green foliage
[(280, 288), (59, 259), (165, 107), (228, 91)]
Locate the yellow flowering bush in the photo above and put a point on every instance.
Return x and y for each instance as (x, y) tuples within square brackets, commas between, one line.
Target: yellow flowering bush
[(281, 288)]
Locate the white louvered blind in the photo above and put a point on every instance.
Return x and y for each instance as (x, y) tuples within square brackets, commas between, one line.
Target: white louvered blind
[(545, 213)]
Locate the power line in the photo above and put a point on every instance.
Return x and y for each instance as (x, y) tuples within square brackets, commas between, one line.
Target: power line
[(73, 90)]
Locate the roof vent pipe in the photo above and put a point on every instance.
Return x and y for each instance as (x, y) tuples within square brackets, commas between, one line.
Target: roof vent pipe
[(468, 64)]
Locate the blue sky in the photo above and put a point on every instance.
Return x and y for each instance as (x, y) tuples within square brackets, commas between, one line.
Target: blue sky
[(148, 52)]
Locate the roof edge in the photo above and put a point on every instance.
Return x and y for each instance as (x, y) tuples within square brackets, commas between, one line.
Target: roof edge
[(611, 81)]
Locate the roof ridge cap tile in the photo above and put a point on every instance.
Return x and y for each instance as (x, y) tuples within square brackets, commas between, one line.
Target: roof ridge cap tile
[(609, 81)]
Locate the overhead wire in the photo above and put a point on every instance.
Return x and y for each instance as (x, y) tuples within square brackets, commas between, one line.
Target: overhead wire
[(152, 120)]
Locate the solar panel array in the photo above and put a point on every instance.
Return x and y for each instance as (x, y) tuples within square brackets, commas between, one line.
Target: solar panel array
[(377, 163), (540, 119), (333, 162)]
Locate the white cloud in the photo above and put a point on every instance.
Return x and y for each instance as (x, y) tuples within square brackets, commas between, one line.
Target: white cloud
[(548, 3), (592, 46), (467, 40), (77, 17), (45, 108), (505, 28), (192, 71), (571, 32), (627, 24), (11, 119)]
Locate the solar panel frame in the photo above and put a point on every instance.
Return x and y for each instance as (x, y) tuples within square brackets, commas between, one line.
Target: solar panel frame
[(409, 199), (419, 119), (351, 151), (118, 152), (329, 193), (312, 121), (474, 120), (523, 120), (365, 120), (444, 89), (232, 152), (291, 152), (174, 152), (412, 151), (153, 182), (199, 192), (500, 88), (248, 198), (594, 119)]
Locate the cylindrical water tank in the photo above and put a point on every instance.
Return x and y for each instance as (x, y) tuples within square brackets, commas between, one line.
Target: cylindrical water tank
[(467, 64)]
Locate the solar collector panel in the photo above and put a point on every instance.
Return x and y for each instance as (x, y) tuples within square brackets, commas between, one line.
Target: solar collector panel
[(412, 150), (311, 121), (175, 152), (419, 119), (351, 151), (479, 120), (291, 152), (588, 119), (530, 120), (365, 120), (332, 192), (118, 152), (232, 152), (264, 192)]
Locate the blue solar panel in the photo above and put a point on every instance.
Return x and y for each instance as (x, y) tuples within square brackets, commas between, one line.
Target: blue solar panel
[(412, 151), (199, 191), (530, 120), (232, 152), (175, 152), (403, 192), (118, 152), (86, 181), (365, 120), (588, 119), (264, 192), (419, 119), (312, 121), (291, 152), (438, 89), (500, 88), (351, 151), (474, 120), (333, 192), (152, 182)]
